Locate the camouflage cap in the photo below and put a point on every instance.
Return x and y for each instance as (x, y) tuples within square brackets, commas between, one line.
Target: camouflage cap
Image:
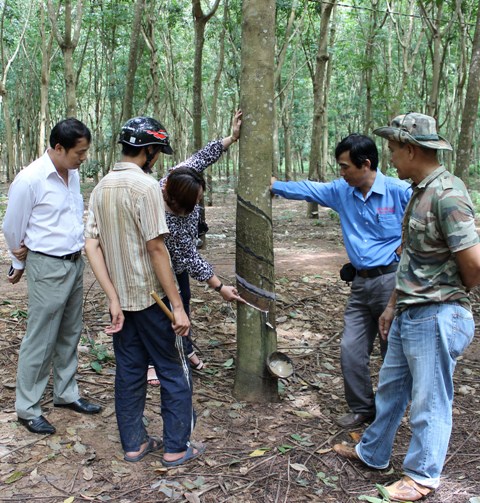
[(415, 128)]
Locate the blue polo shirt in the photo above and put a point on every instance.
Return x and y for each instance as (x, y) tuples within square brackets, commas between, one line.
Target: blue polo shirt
[(371, 226)]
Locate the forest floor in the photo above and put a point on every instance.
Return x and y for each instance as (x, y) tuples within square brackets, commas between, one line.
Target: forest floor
[(276, 452)]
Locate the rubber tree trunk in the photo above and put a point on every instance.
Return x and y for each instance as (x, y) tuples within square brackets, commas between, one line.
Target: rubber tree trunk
[(135, 40), (254, 249), (316, 171), (470, 110), (67, 41), (46, 52), (201, 20)]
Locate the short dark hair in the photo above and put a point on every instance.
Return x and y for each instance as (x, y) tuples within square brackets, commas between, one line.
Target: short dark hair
[(181, 189), (67, 133), (361, 148), (132, 151)]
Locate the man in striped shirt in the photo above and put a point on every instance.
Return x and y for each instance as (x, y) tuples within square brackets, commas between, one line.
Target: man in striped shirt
[(125, 246)]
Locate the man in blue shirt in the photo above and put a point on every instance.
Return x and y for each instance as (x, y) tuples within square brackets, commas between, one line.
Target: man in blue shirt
[(371, 207)]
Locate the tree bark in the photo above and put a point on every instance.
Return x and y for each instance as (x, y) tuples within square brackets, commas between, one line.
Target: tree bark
[(47, 42), (470, 110), (212, 116), (127, 109), (201, 20), (254, 250), (6, 64), (316, 171), (68, 43), (439, 45)]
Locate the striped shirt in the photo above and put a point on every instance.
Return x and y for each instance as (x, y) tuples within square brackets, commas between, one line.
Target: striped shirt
[(125, 211)]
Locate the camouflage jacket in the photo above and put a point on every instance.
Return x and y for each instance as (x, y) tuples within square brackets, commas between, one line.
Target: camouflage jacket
[(438, 222)]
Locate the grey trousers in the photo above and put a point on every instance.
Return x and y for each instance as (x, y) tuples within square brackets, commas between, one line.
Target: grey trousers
[(366, 303), (54, 326)]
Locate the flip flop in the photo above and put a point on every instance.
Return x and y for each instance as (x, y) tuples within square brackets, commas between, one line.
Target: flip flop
[(154, 444), (152, 381), (198, 366), (195, 366), (188, 456)]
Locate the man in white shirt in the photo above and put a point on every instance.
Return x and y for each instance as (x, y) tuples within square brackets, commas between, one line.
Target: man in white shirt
[(45, 214)]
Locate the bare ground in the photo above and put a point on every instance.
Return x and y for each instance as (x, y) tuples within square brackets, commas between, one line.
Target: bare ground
[(278, 452)]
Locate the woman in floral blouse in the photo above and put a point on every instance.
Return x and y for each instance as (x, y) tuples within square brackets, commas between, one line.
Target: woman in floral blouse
[(182, 190)]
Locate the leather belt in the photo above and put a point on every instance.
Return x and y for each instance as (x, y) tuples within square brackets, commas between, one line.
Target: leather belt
[(72, 257), (377, 271)]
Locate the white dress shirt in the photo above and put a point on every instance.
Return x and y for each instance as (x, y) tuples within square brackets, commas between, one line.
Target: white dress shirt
[(43, 212)]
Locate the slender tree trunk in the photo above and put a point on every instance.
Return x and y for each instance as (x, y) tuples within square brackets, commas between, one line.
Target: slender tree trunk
[(197, 84), (6, 64), (290, 29), (201, 20), (10, 172), (439, 44), (68, 42), (315, 171), (254, 250), (212, 118), (287, 134), (70, 87), (370, 58), (152, 15), (46, 42), (409, 56), (135, 39), (174, 101), (470, 110), (324, 125)]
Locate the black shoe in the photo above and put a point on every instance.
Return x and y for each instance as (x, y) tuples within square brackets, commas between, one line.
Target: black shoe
[(38, 425), (81, 405), (352, 420)]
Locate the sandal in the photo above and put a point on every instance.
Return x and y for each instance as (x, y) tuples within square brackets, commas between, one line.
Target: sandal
[(406, 489), (152, 378), (195, 366), (188, 456), (154, 444)]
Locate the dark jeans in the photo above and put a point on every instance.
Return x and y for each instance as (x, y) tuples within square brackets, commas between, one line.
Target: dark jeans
[(148, 334), (183, 281)]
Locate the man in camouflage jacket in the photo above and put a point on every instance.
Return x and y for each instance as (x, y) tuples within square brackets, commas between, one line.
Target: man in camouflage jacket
[(428, 319)]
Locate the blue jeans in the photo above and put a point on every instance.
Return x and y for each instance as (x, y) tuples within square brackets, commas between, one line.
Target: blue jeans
[(423, 345), (148, 334)]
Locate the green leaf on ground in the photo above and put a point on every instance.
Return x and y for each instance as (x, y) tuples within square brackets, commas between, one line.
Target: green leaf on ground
[(14, 477), (96, 366), (285, 448), (229, 363), (371, 499)]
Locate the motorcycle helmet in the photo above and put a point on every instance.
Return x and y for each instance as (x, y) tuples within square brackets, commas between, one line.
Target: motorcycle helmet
[(143, 131)]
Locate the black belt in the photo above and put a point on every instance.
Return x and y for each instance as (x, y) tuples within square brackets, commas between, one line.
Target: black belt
[(72, 257), (377, 271)]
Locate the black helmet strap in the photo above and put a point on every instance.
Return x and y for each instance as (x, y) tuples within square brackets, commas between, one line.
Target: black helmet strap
[(150, 155)]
